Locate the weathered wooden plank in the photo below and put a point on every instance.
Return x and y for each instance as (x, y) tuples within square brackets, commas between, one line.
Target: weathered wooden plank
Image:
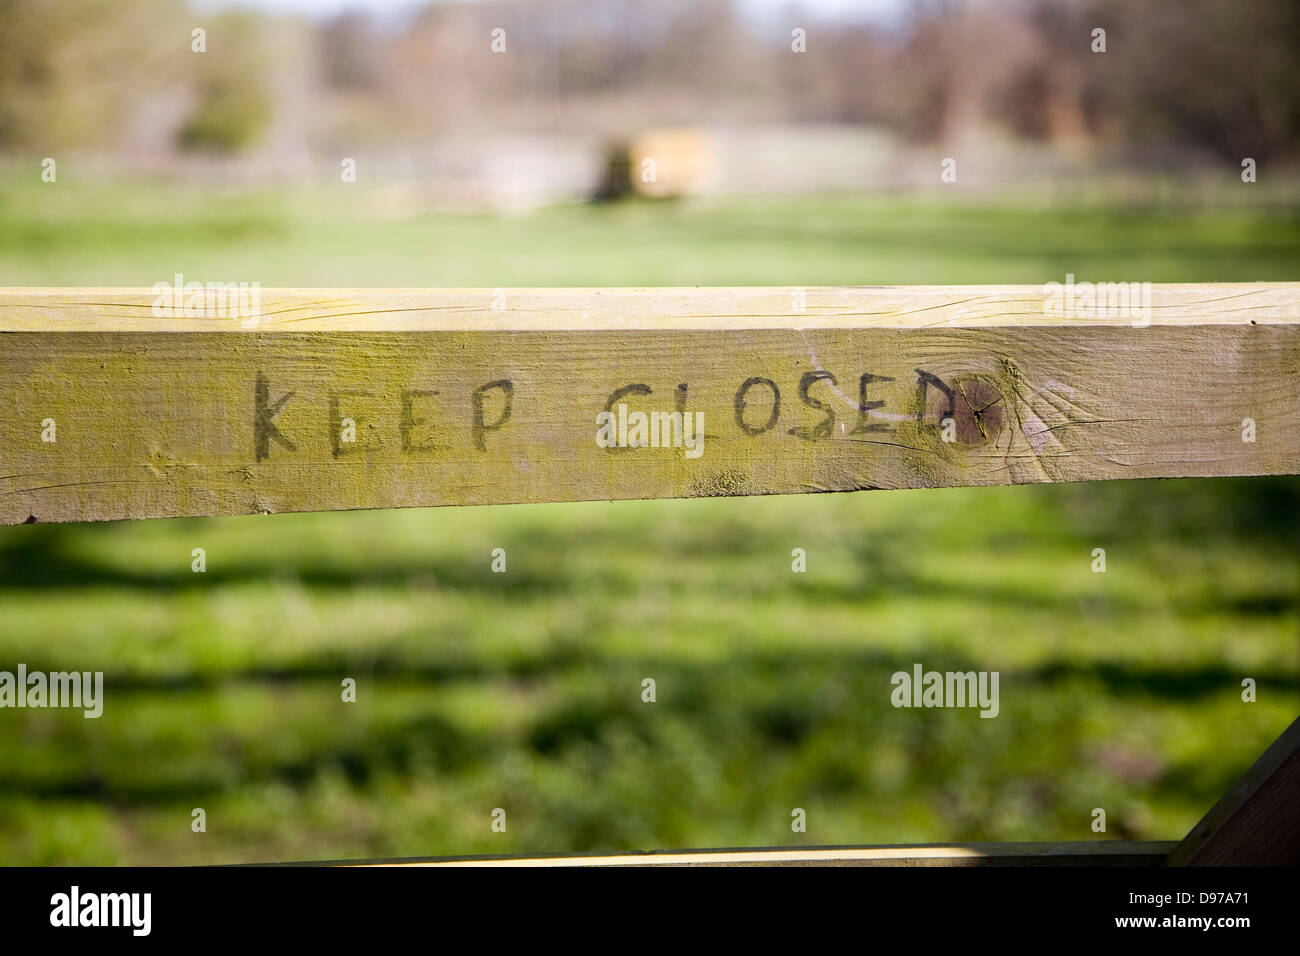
[(1092, 853), (492, 396), (1257, 822)]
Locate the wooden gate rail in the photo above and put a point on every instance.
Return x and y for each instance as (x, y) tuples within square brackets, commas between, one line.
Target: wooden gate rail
[(137, 404), (194, 400)]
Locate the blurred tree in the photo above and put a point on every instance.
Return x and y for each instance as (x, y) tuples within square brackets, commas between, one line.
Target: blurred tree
[(72, 71), (233, 107), (1218, 74), (1179, 79), (351, 52)]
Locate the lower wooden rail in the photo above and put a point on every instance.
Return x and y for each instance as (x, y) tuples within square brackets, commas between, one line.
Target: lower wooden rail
[(1104, 853)]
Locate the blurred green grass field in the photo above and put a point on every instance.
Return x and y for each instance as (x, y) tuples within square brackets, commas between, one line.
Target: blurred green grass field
[(522, 690)]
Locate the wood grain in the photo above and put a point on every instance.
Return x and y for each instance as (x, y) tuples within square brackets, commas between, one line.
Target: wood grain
[(491, 396)]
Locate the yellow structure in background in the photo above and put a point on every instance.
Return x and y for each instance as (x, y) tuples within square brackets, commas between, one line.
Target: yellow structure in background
[(668, 163)]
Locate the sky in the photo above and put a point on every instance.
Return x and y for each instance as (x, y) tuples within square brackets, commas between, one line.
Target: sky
[(882, 10)]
